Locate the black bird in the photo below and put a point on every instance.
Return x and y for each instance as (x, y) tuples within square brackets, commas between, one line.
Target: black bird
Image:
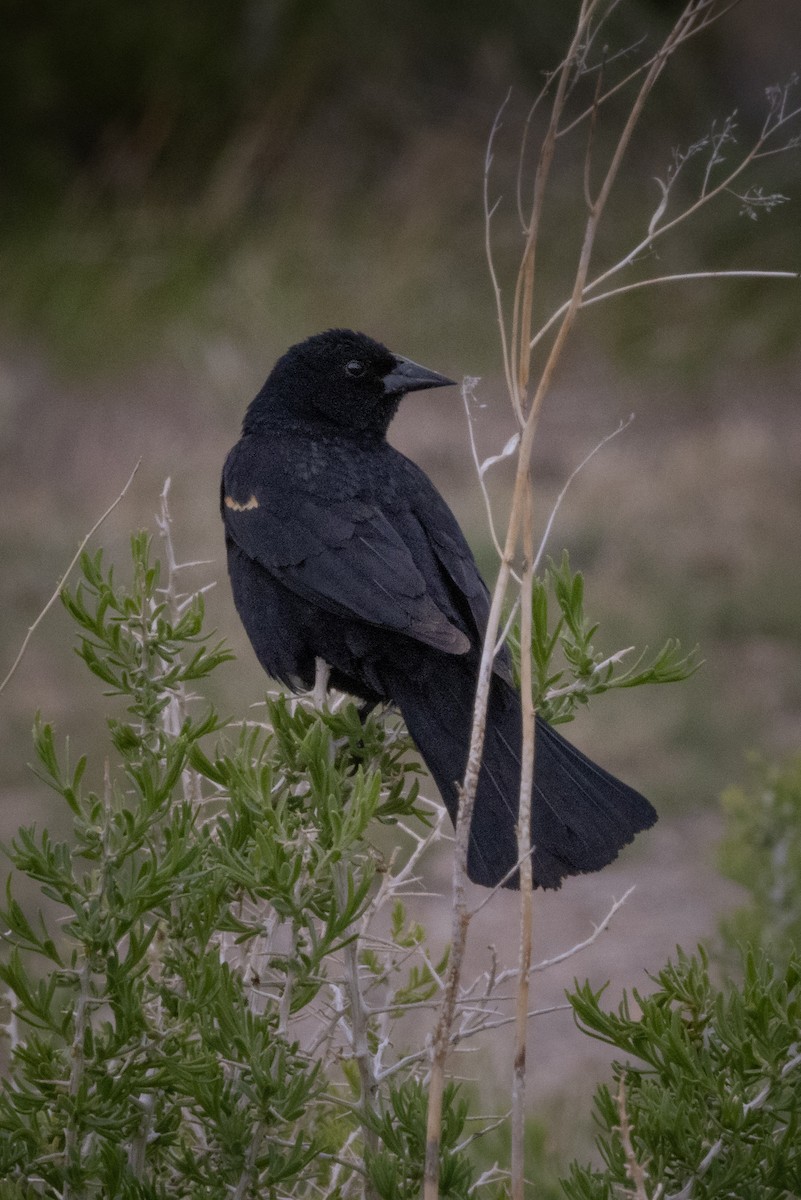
[(340, 548)]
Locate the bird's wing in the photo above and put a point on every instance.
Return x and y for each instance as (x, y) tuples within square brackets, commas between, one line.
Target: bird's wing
[(448, 544), (344, 555)]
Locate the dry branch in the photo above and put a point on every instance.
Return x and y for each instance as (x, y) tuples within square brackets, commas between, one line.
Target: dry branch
[(65, 576)]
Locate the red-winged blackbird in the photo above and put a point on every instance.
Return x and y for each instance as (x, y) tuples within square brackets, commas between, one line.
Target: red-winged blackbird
[(340, 548)]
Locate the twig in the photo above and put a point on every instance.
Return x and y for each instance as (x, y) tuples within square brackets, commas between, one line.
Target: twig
[(545, 963), (63, 579), (689, 276), (524, 290), (534, 1012), (489, 212), (71, 1147), (468, 392), (174, 714), (642, 67), (359, 1031), (576, 470), (462, 1035), (590, 137), (656, 231), (442, 1033), (510, 620), (581, 686), (525, 836), (634, 1168)]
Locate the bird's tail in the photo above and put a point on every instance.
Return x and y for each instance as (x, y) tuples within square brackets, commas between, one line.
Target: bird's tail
[(581, 815)]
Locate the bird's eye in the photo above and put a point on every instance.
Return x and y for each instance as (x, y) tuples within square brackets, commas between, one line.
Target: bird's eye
[(354, 367)]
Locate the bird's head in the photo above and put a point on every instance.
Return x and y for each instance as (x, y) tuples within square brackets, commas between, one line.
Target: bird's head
[(340, 377)]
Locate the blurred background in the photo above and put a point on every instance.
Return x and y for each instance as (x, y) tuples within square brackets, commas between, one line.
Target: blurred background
[(188, 189)]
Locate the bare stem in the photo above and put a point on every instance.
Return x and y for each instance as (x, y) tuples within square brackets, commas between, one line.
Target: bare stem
[(524, 839), (687, 277), (576, 470), (359, 1032), (63, 578), (489, 212), (71, 1148), (175, 713), (468, 386), (524, 291), (442, 1034), (634, 1168)]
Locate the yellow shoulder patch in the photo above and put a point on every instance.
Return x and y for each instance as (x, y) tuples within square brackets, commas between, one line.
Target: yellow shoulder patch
[(237, 507)]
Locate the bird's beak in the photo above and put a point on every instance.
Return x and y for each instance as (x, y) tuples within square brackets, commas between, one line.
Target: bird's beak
[(408, 376)]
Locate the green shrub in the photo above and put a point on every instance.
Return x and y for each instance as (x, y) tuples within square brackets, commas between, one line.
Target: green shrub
[(194, 1018), (762, 851), (709, 1108)]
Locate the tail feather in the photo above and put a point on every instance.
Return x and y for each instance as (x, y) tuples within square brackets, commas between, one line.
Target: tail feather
[(581, 815)]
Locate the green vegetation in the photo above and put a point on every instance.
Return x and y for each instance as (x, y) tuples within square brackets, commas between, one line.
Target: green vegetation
[(206, 1007), (153, 1044), (562, 647), (709, 1106), (762, 851)]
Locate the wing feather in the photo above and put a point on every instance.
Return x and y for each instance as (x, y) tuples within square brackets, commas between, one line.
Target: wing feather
[(345, 556)]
